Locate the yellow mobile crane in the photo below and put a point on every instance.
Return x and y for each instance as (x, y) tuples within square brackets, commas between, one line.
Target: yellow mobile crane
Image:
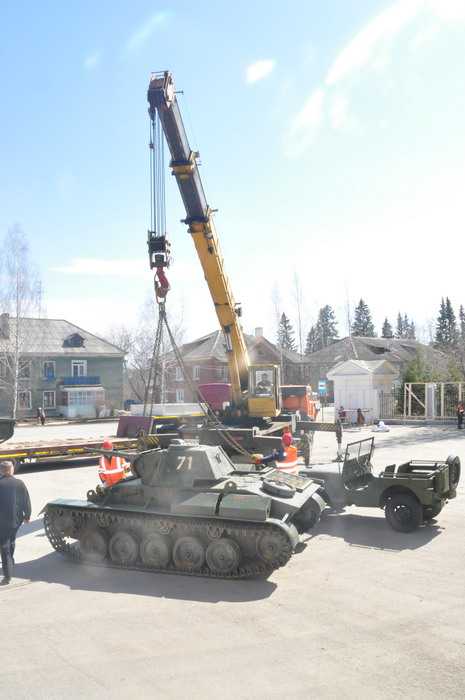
[(255, 388)]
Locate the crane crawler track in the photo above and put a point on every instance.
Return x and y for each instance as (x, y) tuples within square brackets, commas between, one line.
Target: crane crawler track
[(251, 538)]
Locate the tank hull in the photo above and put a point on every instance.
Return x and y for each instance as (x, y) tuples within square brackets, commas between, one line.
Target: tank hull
[(263, 546)]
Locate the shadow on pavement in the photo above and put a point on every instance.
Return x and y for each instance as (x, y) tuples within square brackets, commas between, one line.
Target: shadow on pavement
[(53, 568), (374, 532), (28, 528)]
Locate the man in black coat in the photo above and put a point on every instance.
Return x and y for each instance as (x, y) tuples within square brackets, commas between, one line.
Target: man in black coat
[(15, 509)]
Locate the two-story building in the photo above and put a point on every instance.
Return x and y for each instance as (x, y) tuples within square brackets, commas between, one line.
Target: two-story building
[(63, 368), (206, 361)]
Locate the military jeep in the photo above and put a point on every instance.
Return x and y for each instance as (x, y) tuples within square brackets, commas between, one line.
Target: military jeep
[(410, 494)]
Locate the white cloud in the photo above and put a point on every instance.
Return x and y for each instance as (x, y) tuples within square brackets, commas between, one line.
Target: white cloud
[(359, 52), (146, 30), (92, 60), (305, 124), (104, 267), (259, 70), (371, 49), (339, 112)]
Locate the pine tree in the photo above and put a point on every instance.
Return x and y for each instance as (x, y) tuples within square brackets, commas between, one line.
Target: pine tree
[(387, 329), (405, 327), (441, 324), (286, 334), (446, 325), (311, 345), (327, 326), (363, 325), (323, 332), (451, 323), (462, 322)]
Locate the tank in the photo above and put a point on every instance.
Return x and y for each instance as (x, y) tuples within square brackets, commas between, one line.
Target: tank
[(188, 509)]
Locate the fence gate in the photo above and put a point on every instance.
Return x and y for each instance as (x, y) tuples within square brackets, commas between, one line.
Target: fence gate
[(422, 400), (415, 400)]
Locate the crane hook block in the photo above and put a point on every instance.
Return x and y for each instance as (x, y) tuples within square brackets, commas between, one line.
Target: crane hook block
[(159, 250)]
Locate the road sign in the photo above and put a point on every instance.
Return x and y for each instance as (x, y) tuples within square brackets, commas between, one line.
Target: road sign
[(322, 387)]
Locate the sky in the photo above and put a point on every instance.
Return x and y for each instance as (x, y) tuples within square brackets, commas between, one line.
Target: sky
[(330, 134)]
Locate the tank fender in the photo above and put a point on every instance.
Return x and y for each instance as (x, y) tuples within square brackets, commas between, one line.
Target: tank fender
[(289, 530), (319, 500)]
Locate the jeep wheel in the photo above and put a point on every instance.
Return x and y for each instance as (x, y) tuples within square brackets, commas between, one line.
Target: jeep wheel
[(403, 512), (454, 471), (430, 512)]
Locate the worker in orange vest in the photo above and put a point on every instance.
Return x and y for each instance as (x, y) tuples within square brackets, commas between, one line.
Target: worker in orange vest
[(111, 469)]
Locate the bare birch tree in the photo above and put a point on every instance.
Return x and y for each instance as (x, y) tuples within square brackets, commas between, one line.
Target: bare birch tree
[(139, 342), (20, 297)]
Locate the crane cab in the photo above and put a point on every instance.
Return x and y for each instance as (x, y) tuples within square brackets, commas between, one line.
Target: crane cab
[(264, 395)]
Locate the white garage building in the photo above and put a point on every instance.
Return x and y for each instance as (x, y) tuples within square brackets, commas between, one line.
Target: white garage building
[(357, 384)]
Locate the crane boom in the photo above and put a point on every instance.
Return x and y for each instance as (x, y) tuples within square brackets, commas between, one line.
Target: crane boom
[(162, 98)]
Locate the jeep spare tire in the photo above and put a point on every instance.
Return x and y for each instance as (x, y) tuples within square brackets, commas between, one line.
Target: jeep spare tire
[(453, 461)]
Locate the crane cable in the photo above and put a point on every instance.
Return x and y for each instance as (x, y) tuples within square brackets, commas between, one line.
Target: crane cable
[(154, 371)]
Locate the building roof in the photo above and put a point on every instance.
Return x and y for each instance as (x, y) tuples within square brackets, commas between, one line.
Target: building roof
[(396, 350), (212, 346), (351, 367), (48, 336)]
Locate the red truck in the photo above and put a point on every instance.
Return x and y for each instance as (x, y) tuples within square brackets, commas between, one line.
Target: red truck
[(294, 397)]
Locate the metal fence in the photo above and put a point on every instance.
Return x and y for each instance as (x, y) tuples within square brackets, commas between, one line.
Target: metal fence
[(422, 400)]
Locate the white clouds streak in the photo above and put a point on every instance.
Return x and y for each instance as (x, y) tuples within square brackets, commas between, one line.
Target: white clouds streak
[(259, 70), (304, 127), (371, 49), (142, 35), (360, 51)]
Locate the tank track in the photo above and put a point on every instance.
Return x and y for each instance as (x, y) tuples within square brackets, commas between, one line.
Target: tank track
[(245, 534)]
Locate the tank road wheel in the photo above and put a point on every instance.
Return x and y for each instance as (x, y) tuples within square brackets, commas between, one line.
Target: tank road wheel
[(155, 550), (454, 471), (403, 512), (188, 554), (123, 548), (93, 545), (223, 556), (274, 548), (430, 512)]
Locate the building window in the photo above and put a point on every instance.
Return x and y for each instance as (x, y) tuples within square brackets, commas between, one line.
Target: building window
[(73, 341), (24, 370), (48, 399), (222, 372), (84, 397), (196, 372), (178, 375), (78, 368), (24, 400), (49, 369), (179, 395)]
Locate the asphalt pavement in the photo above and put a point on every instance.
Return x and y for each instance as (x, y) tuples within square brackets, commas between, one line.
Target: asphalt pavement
[(360, 612)]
